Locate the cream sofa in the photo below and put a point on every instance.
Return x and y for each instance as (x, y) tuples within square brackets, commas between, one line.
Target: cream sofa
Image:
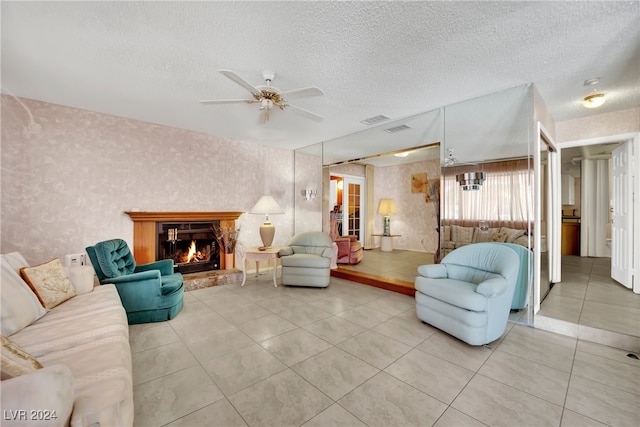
[(456, 236), (82, 345)]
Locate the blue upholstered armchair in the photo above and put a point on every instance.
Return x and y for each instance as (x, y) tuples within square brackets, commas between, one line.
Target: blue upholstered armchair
[(306, 260), (469, 294), (149, 292)]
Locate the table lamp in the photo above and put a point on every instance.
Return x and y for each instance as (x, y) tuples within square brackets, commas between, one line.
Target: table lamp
[(265, 206), (387, 207)]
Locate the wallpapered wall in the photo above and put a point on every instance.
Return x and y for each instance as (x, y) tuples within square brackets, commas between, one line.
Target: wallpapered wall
[(68, 186), (415, 219)]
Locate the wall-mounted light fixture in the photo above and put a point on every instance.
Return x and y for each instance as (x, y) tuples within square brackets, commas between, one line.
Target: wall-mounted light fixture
[(471, 181), (309, 194)]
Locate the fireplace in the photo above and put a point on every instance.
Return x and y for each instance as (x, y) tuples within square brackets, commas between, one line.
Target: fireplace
[(191, 245), (148, 235)]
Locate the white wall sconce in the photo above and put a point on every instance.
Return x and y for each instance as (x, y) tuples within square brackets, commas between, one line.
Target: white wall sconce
[(309, 194)]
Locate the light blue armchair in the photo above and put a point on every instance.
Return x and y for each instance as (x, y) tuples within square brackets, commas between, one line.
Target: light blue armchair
[(469, 294), (149, 292), (306, 260)]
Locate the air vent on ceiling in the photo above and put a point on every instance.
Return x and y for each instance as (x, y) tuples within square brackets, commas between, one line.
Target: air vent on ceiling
[(374, 120), (397, 128)]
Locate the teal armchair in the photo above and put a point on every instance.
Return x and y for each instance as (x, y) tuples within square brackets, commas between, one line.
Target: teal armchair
[(149, 292)]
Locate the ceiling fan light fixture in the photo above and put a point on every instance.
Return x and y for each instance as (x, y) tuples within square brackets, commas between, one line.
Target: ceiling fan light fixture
[(594, 100)]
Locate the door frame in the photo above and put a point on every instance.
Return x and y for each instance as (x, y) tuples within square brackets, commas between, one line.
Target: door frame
[(634, 138), (363, 202)]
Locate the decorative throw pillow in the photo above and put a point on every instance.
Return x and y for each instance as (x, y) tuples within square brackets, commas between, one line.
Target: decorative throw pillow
[(50, 283), (447, 233), (19, 305), (499, 237), (483, 236), (461, 234), (512, 233), (16, 361)]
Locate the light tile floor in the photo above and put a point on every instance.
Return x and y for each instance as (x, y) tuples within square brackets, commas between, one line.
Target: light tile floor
[(587, 302), (590, 305), (354, 355)]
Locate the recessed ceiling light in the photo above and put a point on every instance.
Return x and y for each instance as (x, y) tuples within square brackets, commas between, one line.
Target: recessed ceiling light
[(591, 82), (594, 100)]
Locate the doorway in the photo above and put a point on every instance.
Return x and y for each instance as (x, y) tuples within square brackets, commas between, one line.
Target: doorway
[(616, 226), (347, 198)]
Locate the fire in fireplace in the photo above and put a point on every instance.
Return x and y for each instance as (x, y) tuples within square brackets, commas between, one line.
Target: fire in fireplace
[(191, 245)]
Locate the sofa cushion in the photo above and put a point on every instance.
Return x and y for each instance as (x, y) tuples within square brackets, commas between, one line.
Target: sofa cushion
[(47, 392), (19, 306), (90, 335), (461, 234), (499, 237), (512, 233), (305, 260), (50, 282), (480, 236), (15, 361)]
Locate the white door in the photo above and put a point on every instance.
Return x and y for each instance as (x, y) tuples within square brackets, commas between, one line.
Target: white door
[(353, 207), (622, 215)]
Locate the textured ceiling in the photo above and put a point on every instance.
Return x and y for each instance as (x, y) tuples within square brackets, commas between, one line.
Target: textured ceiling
[(153, 61)]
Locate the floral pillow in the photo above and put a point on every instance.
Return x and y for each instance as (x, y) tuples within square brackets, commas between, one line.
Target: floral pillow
[(16, 361), (512, 233), (499, 237), (50, 282)]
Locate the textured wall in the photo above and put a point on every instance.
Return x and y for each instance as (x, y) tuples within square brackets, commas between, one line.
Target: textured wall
[(415, 219), (68, 185), (616, 123)]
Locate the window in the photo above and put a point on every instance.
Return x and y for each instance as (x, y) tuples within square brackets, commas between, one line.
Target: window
[(505, 199)]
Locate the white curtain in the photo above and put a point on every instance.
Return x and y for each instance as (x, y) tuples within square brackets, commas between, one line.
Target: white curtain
[(504, 198), (370, 208), (594, 208)]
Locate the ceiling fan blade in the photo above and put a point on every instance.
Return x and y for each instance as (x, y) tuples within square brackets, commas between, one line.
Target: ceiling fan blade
[(305, 91), (242, 82), (305, 113), (226, 101)]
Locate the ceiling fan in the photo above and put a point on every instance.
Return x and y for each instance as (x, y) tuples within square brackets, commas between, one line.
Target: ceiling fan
[(269, 96)]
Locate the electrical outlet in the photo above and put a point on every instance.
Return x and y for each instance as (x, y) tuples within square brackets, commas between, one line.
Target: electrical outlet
[(74, 260)]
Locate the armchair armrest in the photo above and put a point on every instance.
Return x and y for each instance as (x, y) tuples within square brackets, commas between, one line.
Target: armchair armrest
[(285, 251), (492, 287), (328, 253), (165, 266), (434, 271), (135, 277)]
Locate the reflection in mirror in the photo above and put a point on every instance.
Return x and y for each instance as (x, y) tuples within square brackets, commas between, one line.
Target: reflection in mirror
[(380, 163), (492, 134), (491, 137)]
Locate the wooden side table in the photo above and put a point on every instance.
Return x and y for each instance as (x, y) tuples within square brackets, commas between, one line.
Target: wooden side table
[(258, 255)]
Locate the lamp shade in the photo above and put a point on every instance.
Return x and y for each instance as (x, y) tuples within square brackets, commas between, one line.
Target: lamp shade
[(266, 205), (387, 207)]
